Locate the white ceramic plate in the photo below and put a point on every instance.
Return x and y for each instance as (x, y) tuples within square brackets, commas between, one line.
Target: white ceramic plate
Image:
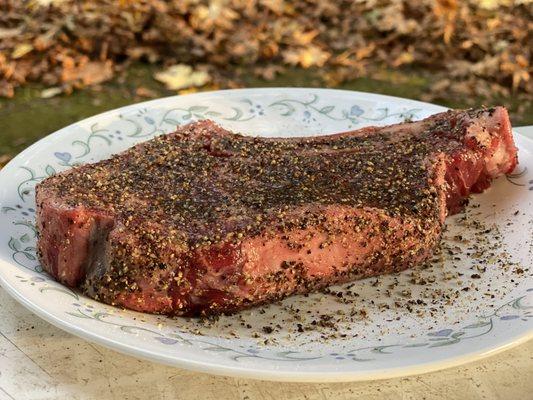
[(493, 314)]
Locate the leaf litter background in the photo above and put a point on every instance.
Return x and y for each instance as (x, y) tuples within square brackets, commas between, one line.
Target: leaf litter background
[(469, 52)]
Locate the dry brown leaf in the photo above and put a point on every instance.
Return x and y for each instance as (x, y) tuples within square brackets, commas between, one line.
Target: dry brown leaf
[(304, 38), (307, 57), (277, 6), (458, 40), (87, 72), (447, 10), (142, 91), (406, 57)]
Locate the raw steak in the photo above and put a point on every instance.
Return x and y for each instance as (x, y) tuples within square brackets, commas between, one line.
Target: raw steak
[(204, 221)]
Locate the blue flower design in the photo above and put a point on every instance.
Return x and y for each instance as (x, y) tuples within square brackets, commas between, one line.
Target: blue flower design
[(258, 109), (149, 120), (356, 111), (165, 340), (508, 317), (65, 156)]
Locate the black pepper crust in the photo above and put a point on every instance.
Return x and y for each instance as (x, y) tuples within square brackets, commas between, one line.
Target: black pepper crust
[(191, 180), (202, 185)]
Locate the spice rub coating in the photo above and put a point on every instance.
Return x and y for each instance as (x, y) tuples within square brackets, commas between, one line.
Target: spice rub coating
[(203, 221)]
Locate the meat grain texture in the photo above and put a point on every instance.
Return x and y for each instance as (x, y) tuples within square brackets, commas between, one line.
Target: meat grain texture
[(205, 221)]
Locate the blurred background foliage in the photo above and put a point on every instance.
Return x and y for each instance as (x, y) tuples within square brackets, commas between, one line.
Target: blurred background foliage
[(455, 53)]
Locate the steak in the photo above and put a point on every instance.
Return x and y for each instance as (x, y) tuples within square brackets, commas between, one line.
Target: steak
[(205, 221)]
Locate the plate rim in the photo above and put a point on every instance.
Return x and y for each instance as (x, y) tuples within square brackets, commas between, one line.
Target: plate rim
[(247, 372), (267, 375)]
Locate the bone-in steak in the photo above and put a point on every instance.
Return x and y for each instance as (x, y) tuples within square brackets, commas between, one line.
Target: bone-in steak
[(203, 220)]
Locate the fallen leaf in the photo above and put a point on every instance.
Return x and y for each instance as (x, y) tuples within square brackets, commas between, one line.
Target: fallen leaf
[(405, 57), (304, 38), (21, 50), (482, 46), (51, 92), (276, 6), (307, 57), (447, 10), (494, 4), (9, 33), (182, 76), (145, 92), (87, 73)]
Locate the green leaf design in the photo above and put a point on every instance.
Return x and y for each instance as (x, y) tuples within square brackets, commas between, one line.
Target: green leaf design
[(416, 345), (78, 314), (456, 335), (171, 121), (479, 324), (237, 114), (326, 110), (198, 109), (14, 244), (128, 329), (217, 349), (239, 356), (517, 304), (5, 210), (59, 289), (354, 358), (25, 238), (29, 256), (180, 338), (445, 343), (213, 113), (380, 350), (49, 170), (100, 315), (286, 353)]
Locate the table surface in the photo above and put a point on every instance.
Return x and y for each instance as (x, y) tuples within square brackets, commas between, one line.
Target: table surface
[(39, 361)]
